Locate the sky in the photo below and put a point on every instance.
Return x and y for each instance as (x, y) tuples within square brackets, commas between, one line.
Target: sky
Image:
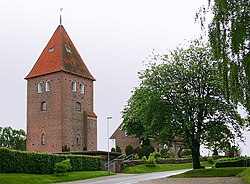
[(113, 37)]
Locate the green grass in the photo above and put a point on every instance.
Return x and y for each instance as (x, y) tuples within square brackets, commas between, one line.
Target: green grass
[(214, 172), (20, 178), (245, 175), (160, 167)]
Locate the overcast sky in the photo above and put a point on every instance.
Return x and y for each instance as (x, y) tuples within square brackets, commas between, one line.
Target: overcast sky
[(113, 37)]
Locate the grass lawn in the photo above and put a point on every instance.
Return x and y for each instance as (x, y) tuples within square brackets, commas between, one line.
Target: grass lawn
[(214, 172), (20, 178), (245, 175), (160, 167)]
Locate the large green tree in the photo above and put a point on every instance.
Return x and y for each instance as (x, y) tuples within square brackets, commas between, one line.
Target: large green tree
[(180, 94), (229, 35), (13, 139)]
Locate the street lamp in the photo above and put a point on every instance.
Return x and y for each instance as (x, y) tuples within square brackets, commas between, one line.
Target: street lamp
[(108, 118)]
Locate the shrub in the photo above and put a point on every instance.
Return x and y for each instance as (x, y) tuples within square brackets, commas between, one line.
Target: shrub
[(151, 161), (233, 163), (157, 155), (112, 149), (62, 167), (144, 158), (136, 157), (13, 161), (118, 149), (210, 160), (129, 150), (186, 152)]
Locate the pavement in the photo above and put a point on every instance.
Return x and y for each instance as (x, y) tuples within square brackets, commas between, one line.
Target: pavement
[(128, 178)]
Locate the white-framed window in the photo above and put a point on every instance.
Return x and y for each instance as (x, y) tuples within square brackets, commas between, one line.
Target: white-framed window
[(47, 85), (78, 106), (73, 86), (43, 106), (81, 88), (39, 87), (42, 139)]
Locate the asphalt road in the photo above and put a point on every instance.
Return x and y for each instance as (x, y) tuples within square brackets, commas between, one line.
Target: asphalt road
[(128, 178)]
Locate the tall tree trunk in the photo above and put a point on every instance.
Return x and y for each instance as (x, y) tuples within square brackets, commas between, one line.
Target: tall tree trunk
[(196, 156)]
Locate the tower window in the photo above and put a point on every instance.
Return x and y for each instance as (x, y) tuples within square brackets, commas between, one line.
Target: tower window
[(51, 49), (43, 139), (39, 87), (78, 107), (48, 85), (68, 49), (73, 86), (78, 140), (82, 88), (43, 106)]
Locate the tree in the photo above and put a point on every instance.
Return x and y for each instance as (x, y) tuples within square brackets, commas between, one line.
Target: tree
[(129, 149), (13, 139), (182, 96), (118, 149), (229, 36)]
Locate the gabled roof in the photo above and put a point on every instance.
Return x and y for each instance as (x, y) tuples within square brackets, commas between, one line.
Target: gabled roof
[(60, 54)]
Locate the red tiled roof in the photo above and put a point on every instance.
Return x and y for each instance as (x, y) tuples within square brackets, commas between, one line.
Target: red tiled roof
[(60, 59), (91, 114)]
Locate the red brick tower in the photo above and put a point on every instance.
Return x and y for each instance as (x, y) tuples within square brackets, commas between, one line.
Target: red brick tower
[(60, 100)]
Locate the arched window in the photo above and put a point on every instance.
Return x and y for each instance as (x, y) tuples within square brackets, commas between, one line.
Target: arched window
[(43, 106), (47, 85), (78, 139), (73, 86), (82, 88), (78, 107), (42, 139), (39, 87)]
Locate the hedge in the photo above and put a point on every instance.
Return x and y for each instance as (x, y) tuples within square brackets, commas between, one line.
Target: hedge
[(234, 163), (12, 161)]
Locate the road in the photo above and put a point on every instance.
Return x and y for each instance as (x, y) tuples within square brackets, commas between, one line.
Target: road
[(128, 178)]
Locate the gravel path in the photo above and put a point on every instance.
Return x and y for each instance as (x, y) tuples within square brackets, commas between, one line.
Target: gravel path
[(212, 180)]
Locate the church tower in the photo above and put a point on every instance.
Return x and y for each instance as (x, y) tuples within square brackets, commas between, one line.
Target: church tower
[(60, 115)]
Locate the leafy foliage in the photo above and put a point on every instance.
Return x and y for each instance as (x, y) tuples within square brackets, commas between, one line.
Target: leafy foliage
[(182, 96), (233, 163), (13, 161), (186, 152), (151, 161), (13, 139), (129, 149), (63, 167), (118, 149), (229, 36)]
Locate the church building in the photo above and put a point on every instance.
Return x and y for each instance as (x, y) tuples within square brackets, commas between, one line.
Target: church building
[(60, 113)]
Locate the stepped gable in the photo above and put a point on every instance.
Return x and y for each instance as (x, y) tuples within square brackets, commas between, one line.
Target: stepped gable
[(60, 54)]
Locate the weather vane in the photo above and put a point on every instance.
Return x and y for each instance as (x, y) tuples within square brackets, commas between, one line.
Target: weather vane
[(61, 9)]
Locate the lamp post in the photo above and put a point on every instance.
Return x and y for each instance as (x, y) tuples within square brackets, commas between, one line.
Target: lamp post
[(108, 118)]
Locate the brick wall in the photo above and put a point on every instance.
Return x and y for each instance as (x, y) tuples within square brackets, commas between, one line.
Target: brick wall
[(60, 123)]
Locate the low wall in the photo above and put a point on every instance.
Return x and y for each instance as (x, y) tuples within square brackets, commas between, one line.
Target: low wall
[(160, 161)]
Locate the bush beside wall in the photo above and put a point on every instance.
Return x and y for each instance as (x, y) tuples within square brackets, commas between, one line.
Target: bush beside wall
[(13, 161), (234, 163)]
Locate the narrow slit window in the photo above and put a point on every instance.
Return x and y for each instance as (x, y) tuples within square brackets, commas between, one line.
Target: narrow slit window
[(78, 139), (82, 88), (43, 106), (39, 87), (48, 85), (78, 106), (73, 86), (43, 139)]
